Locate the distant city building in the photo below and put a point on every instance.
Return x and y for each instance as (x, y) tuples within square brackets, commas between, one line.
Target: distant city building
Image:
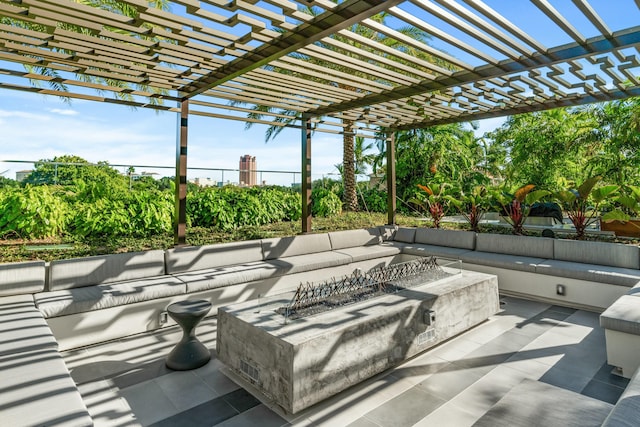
[(205, 182), (248, 175), (22, 175)]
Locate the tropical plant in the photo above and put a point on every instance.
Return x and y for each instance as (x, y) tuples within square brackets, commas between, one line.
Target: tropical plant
[(473, 205), (434, 200), (581, 204), (544, 146), (516, 206), (440, 153), (618, 157)]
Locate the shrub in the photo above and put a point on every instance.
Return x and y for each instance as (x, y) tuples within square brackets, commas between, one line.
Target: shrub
[(327, 206), (33, 212)]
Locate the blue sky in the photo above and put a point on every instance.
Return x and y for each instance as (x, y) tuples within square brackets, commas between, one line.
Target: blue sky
[(38, 127)]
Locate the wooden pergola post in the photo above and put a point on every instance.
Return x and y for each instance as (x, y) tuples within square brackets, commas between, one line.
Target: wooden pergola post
[(305, 184), (391, 178), (180, 217)]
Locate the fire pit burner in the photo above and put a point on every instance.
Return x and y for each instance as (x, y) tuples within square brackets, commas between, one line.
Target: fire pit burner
[(312, 298)]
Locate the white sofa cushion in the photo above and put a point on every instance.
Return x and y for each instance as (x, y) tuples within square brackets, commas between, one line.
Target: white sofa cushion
[(201, 280), (353, 238), (592, 272), (536, 247), (511, 262), (451, 238), (89, 298), (280, 247), (432, 250), (37, 390), (623, 315), (316, 261), (363, 253), (97, 270), (23, 326), (404, 235), (192, 258), (601, 253), (22, 278)]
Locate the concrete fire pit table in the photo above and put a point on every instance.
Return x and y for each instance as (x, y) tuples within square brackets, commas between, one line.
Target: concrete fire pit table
[(296, 363), (189, 353)]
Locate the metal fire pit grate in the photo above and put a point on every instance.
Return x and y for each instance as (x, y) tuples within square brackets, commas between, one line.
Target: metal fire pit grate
[(314, 298)]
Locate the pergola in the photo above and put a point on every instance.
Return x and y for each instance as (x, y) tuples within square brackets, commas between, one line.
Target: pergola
[(323, 66)]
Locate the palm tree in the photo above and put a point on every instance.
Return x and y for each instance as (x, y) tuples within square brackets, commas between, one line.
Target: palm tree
[(285, 116)]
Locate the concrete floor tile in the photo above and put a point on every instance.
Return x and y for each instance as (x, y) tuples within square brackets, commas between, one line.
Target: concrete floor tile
[(406, 409), (418, 369), (185, 390), (450, 381), (448, 415), (148, 402), (257, 416), (105, 405)]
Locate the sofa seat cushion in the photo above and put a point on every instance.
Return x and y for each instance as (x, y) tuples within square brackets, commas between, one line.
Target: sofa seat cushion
[(432, 250), (363, 253), (37, 390), (23, 327), (89, 298), (511, 262), (302, 263), (623, 315), (212, 278), (591, 272)]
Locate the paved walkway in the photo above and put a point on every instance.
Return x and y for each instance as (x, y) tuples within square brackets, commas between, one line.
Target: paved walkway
[(125, 383)]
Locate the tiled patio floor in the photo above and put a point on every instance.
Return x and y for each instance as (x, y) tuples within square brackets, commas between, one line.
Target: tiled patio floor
[(125, 383)]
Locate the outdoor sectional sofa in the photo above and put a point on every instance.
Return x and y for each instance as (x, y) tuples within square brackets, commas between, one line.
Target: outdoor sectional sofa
[(77, 302)]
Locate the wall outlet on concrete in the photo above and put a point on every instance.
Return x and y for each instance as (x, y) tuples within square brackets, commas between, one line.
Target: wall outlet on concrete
[(163, 317)]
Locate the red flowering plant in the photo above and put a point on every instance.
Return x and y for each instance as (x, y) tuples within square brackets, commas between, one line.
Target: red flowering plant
[(516, 207), (434, 200)]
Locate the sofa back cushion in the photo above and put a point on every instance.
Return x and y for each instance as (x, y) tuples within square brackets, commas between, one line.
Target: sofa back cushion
[(353, 238), (281, 247), (405, 235), (22, 278), (450, 238), (537, 247), (387, 232), (96, 270), (611, 254), (191, 258)]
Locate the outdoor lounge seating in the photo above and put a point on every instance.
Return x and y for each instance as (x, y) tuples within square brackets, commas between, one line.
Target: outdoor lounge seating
[(94, 299)]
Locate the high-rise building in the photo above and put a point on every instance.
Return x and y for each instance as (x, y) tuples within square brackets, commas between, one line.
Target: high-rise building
[(248, 170)]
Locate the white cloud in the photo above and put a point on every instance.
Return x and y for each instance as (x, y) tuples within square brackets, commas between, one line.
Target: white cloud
[(64, 112)]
